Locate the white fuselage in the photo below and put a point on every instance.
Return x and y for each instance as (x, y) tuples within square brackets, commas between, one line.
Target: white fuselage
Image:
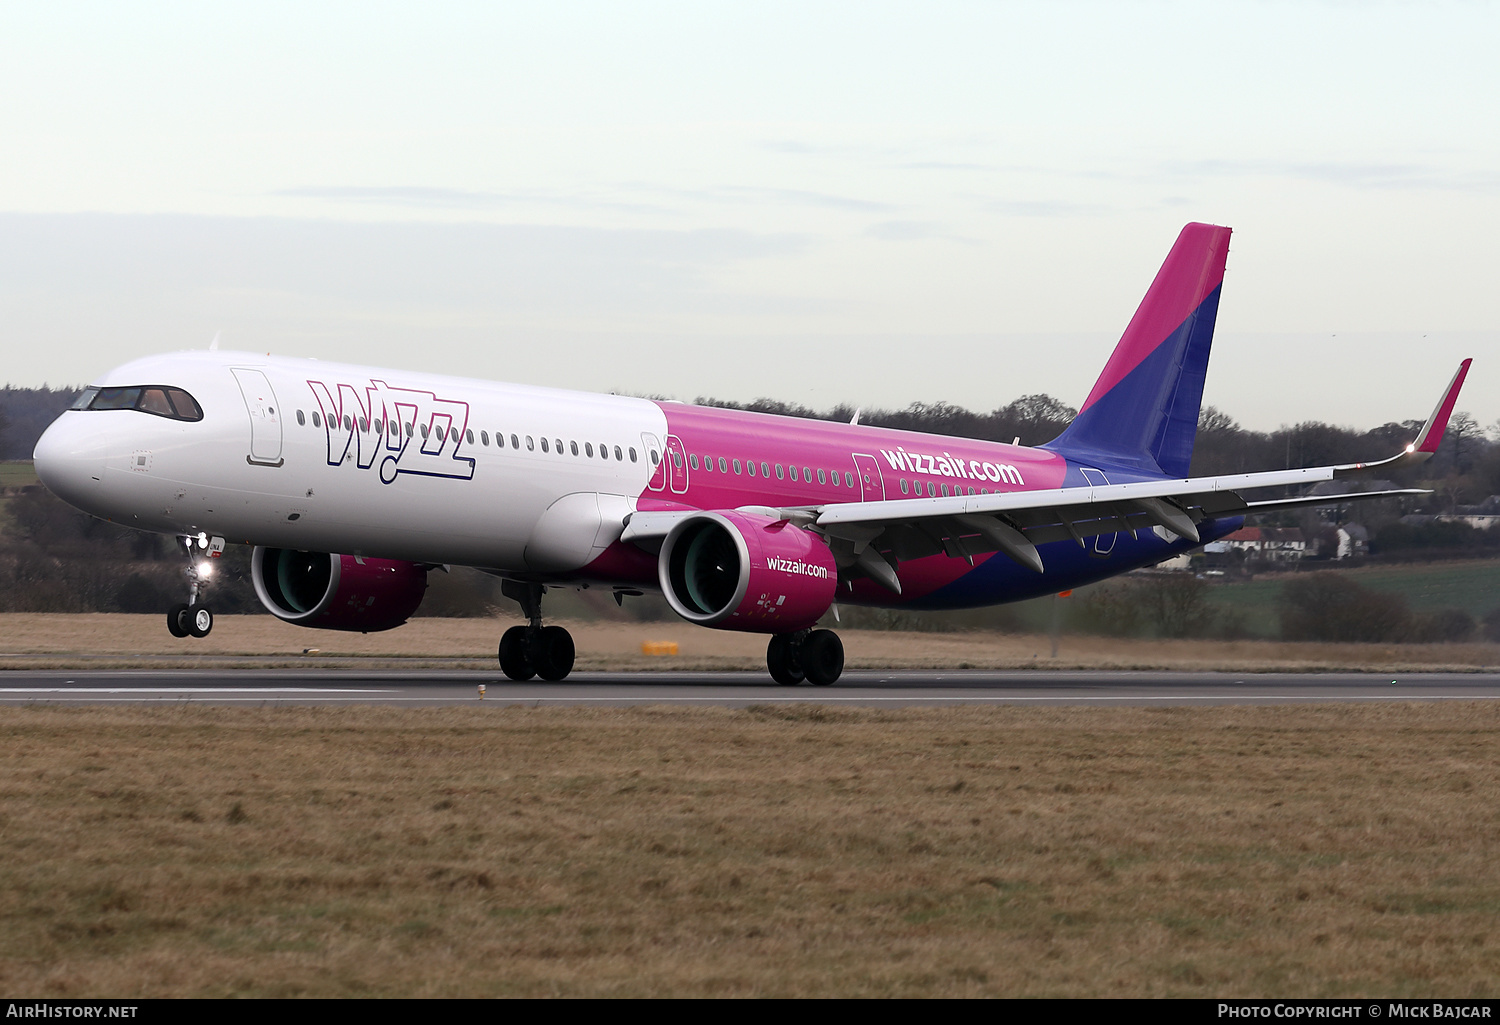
[(425, 470)]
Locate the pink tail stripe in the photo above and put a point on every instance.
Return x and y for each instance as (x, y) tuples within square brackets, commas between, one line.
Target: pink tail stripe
[(1193, 269), (1437, 424)]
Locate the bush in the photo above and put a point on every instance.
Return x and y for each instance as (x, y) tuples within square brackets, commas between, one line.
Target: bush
[(1331, 607), (1443, 626), (1167, 605)]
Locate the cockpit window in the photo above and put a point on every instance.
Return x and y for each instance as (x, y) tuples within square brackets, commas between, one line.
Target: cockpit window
[(116, 398), (154, 400), (173, 403), (187, 406)]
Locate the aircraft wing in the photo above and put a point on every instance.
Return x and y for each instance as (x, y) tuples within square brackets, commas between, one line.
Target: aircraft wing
[(1014, 523)]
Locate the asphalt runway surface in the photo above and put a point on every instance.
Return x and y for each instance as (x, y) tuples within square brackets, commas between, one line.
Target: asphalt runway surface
[(869, 689)]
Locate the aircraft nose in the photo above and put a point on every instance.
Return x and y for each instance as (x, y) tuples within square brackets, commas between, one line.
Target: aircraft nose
[(69, 458)]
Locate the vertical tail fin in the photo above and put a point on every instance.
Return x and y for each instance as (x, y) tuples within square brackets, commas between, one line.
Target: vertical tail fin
[(1143, 411)]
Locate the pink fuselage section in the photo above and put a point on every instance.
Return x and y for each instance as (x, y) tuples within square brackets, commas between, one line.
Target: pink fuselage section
[(726, 459)]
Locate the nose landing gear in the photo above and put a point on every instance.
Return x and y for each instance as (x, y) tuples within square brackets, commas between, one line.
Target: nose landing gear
[(194, 619), (534, 649), (816, 656)]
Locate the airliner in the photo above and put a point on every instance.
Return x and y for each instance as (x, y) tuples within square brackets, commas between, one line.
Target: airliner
[(351, 483)]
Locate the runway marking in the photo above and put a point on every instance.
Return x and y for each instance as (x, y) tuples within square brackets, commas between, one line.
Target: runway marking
[(189, 690), (148, 695)]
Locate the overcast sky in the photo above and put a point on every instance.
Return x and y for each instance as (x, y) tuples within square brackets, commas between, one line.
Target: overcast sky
[(865, 203)]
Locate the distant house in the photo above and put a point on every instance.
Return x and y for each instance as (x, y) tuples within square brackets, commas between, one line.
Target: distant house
[(1354, 542), (1482, 516), (1266, 544)]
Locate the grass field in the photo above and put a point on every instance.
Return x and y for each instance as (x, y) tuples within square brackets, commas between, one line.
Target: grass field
[(1227, 852), (1473, 586), (15, 473)]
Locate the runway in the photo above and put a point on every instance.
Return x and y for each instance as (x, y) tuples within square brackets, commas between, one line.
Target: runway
[(732, 690)]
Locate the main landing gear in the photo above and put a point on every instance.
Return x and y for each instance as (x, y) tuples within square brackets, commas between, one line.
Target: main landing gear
[(816, 656), (533, 649), (193, 619)]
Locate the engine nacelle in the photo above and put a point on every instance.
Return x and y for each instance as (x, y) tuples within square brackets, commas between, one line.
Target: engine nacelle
[(745, 571), (337, 592)]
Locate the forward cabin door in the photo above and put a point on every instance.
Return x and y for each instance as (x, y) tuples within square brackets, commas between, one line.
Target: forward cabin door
[(265, 417), (871, 484)]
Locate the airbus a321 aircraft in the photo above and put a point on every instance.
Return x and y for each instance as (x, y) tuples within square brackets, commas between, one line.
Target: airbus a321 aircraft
[(353, 482)]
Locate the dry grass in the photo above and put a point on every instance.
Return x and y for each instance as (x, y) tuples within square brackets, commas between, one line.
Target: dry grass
[(37, 640), (790, 851)]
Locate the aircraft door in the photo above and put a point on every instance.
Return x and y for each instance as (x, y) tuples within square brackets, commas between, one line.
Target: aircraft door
[(677, 466), (654, 459), (265, 421), (1103, 543), (871, 484)]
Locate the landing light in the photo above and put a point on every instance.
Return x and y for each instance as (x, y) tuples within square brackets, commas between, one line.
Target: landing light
[(205, 570), (202, 540)]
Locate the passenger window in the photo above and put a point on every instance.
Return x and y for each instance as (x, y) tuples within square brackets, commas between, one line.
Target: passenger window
[(408, 429), (822, 477), (750, 467), (780, 473), (833, 477), (588, 450), (544, 444), (603, 451), (765, 470), (573, 447), (736, 467), (301, 420), (348, 423), (904, 489), (807, 474), (484, 438), (654, 457), (945, 491), (791, 472), (692, 458), (931, 490), (424, 432), (723, 465), (530, 445), (379, 427), (617, 453), (470, 436), (848, 479), (364, 425), (516, 442)]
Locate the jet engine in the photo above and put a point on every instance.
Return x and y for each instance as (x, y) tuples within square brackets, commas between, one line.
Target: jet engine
[(337, 592), (746, 571)]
